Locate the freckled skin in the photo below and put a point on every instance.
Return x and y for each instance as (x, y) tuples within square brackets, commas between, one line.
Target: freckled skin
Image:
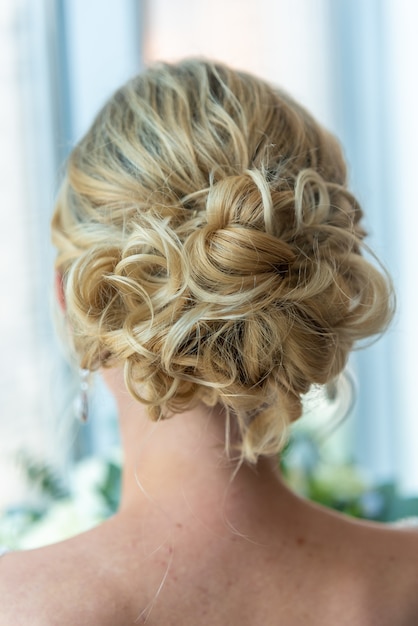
[(198, 548)]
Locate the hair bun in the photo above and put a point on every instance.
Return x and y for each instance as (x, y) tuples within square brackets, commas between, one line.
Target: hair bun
[(243, 199), (209, 244), (233, 254)]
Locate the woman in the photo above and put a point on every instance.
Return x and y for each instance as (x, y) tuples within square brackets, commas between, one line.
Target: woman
[(210, 266)]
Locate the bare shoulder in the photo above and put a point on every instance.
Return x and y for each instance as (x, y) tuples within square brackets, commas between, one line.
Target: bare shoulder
[(400, 545), (393, 545), (369, 569), (387, 561), (21, 589), (400, 578), (65, 584)]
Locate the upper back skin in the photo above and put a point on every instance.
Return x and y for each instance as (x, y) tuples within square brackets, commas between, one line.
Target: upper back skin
[(327, 570)]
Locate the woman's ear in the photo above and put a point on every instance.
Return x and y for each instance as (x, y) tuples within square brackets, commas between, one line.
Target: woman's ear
[(59, 291)]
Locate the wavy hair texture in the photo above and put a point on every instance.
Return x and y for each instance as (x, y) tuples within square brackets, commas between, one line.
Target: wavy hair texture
[(208, 242)]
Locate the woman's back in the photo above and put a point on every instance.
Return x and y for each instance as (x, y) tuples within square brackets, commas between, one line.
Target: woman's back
[(210, 264), (289, 563)]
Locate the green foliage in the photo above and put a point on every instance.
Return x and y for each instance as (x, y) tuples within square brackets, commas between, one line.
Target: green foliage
[(43, 477), (340, 486), (110, 488)]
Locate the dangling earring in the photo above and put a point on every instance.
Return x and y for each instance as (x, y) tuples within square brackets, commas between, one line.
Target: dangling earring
[(82, 400)]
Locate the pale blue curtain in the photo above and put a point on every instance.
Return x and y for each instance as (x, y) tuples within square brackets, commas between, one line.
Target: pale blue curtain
[(366, 123)]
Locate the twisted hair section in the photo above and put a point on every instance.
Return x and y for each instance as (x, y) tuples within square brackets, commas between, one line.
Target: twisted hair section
[(208, 242)]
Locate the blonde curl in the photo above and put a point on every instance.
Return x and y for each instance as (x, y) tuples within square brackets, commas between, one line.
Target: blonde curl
[(208, 242)]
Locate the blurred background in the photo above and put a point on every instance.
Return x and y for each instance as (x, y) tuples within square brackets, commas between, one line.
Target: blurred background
[(351, 62)]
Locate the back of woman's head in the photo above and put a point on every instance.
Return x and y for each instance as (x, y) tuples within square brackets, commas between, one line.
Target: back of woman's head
[(208, 243)]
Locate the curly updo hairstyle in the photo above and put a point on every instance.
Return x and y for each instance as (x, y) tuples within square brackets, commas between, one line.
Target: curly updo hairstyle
[(207, 242)]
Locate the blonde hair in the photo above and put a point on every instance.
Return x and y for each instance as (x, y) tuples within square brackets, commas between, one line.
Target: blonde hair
[(208, 242)]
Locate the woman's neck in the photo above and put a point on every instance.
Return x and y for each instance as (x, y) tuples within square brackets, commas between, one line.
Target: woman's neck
[(181, 459)]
